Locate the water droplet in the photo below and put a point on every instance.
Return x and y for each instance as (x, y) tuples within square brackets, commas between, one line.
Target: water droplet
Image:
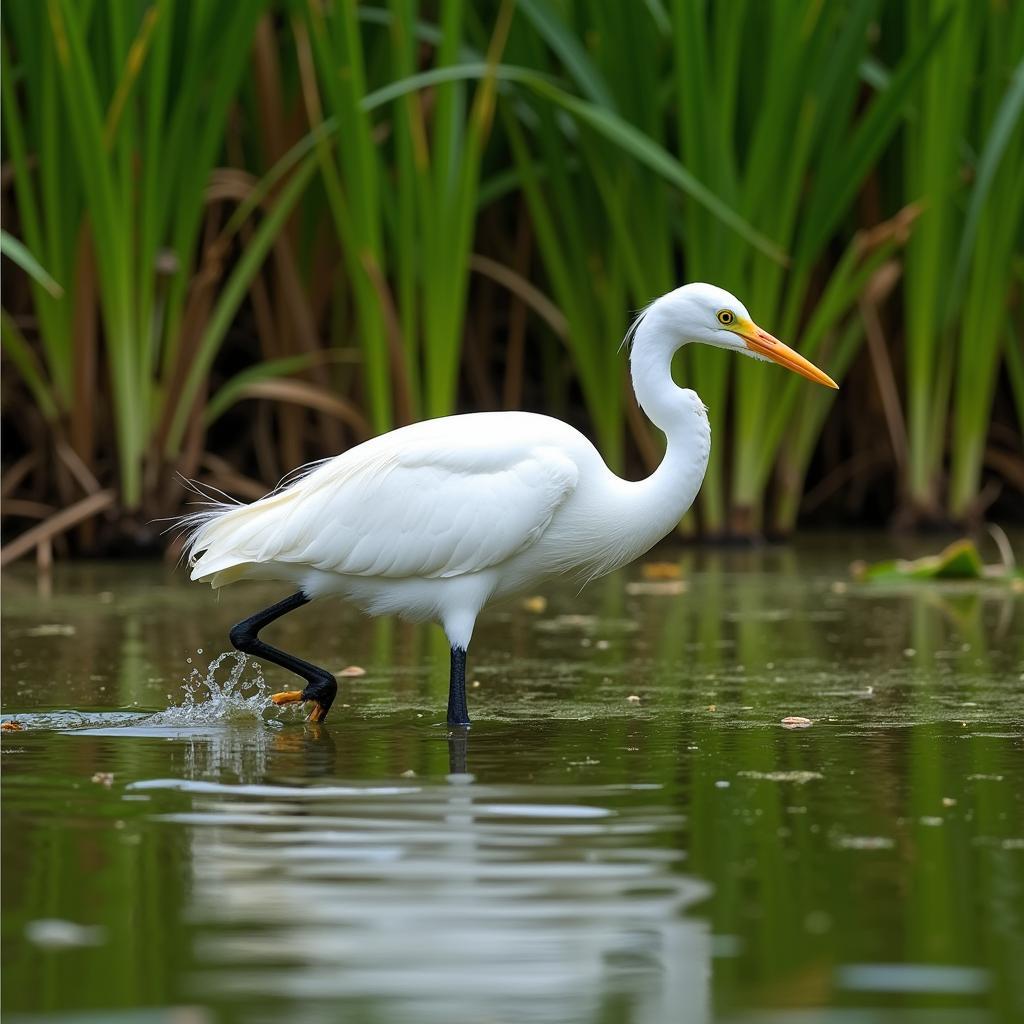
[(209, 697)]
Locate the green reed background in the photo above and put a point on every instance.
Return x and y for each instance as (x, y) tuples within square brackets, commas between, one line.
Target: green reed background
[(241, 237)]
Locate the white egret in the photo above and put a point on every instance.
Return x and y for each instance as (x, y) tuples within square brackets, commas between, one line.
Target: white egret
[(434, 520)]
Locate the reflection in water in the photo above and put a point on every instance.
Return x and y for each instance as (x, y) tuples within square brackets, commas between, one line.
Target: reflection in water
[(380, 868), (442, 902), (458, 750)]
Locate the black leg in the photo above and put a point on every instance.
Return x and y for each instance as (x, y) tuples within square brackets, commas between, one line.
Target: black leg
[(458, 713), (321, 686)]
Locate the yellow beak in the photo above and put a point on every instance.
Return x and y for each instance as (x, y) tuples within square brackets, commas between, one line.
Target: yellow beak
[(771, 348)]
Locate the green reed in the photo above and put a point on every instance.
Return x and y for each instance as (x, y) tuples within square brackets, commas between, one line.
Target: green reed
[(606, 221), (402, 186), (988, 248), (160, 154), (115, 117), (962, 160), (784, 152)]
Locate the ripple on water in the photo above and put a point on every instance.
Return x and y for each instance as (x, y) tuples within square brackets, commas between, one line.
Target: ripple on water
[(209, 699), (543, 901)]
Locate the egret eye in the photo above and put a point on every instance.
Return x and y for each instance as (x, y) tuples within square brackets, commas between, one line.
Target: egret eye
[(725, 317)]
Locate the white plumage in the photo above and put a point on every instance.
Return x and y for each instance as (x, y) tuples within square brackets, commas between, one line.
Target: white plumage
[(433, 520), (437, 499)]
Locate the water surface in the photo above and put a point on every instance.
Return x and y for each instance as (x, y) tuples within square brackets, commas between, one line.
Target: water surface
[(626, 834)]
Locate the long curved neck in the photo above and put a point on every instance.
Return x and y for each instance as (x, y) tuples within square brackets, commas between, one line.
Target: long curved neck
[(679, 413), (650, 366)]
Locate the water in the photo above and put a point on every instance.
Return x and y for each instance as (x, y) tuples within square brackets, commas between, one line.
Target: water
[(627, 833)]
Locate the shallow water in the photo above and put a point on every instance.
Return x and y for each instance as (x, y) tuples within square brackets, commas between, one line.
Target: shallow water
[(176, 848)]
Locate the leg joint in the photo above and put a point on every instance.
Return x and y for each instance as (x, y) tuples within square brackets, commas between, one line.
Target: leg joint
[(242, 636)]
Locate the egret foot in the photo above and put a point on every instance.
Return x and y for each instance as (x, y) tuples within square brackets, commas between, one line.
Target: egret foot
[(295, 697), (317, 712), (287, 697), (320, 694)]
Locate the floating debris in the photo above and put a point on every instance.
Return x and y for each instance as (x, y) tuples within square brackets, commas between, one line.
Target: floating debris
[(10, 725), (661, 571), (799, 777), (948, 801), (656, 588), (916, 979), (817, 922), (561, 623), (351, 672), (712, 707), (864, 843), (536, 605), (959, 561), (408, 774), (633, 698), (796, 722), (51, 629), (51, 933), (104, 778)]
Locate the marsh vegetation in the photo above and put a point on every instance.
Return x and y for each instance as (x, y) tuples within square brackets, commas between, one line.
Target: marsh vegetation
[(246, 236)]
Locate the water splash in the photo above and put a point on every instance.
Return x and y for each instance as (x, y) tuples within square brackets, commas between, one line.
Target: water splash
[(210, 697)]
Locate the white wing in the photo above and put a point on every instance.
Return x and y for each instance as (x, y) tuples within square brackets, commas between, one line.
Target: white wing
[(412, 507)]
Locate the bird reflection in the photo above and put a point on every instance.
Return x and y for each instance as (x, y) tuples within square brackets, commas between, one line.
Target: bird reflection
[(313, 746), (458, 750), (420, 900)]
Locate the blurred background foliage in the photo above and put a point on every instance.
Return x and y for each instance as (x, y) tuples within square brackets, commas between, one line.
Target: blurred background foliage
[(242, 236)]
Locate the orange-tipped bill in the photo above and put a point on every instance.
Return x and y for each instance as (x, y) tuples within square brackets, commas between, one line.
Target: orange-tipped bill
[(771, 348)]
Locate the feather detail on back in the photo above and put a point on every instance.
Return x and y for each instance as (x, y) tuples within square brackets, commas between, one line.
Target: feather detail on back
[(391, 507)]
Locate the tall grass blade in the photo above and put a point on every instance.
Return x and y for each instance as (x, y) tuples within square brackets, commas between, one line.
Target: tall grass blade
[(16, 252)]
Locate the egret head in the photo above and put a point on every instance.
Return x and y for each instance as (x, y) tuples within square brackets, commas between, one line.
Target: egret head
[(712, 316)]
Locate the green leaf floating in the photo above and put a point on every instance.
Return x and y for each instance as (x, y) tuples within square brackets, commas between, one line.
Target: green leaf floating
[(959, 561)]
